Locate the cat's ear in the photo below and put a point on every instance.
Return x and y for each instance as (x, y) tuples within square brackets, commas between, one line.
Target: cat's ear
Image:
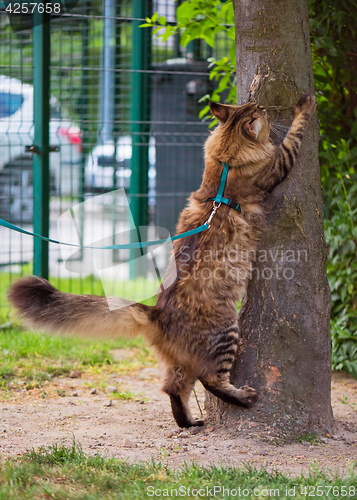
[(254, 128), (220, 111)]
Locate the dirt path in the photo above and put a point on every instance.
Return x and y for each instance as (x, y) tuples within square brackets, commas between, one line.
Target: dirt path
[(142, 428)]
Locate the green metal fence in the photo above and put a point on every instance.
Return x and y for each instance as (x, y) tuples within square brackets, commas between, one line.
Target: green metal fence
[(90, 103)]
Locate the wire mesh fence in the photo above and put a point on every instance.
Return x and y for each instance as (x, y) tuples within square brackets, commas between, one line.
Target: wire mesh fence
[(123, 112)]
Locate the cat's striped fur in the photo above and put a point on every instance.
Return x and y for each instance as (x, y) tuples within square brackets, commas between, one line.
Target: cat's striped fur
[(193, 327)]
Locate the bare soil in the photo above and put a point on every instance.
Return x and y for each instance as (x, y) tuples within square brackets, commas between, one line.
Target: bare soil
[(142, 428)]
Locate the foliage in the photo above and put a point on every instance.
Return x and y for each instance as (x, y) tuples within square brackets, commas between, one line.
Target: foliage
[(341, 235), (204, 19), (334, 37), (61, 472), (196, 19), (334, 50)]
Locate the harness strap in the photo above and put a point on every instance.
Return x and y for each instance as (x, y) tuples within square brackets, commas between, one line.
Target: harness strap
[(219, 196)]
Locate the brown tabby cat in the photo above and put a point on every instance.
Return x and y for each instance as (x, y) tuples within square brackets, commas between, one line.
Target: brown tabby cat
[(193, 327)]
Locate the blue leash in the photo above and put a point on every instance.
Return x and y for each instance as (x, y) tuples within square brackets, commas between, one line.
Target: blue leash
[(218, 199), (138, 244)]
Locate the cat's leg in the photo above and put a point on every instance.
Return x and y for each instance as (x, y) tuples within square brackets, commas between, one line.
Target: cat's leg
[(179, 387), (221, 387), (286, 154), (223, 352), (179, 405)]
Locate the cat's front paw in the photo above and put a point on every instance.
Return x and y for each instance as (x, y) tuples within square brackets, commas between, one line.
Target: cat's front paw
[(249, 396), (307, 104)]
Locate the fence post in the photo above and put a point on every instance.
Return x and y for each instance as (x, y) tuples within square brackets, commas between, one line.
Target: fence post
[(139, 122), (41, 174)]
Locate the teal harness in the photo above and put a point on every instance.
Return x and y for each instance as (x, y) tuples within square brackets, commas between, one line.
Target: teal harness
[(219, 199), (219, 196)]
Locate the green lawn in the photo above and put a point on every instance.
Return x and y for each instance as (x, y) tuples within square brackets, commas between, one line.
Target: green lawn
[(67, 473), (33, 358)]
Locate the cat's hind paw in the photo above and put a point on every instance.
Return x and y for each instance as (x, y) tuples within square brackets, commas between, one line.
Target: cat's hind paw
[(249, 396), (197, 423)]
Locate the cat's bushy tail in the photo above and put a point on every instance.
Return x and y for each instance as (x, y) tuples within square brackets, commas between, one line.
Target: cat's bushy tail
[(42, 306)]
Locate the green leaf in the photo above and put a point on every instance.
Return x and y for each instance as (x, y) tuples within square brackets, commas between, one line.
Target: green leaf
[(194, 31), (169, 31), (208, 36), (204, 112)]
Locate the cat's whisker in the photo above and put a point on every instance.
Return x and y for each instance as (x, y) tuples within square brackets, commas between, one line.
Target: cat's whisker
[(275, 127), (284, 129), (279, 134), (280, 125)]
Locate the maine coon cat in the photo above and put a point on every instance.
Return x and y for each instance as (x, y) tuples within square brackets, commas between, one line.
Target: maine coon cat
[(193, 327)]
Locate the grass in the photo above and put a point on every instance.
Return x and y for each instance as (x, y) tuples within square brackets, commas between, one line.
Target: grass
[(309, 438), (68, 473), (352, 406), (30, 359), (128, 396)]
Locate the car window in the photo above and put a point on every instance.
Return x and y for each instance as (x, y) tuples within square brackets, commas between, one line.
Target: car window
[(9, 103)]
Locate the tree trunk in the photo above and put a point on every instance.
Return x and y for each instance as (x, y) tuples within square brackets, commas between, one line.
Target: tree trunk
[(284, 319)]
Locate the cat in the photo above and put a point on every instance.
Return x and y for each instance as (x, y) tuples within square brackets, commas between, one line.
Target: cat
[(193, 327)]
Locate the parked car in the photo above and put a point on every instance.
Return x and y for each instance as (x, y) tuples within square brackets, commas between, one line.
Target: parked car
[(16, 132), (102, 174)]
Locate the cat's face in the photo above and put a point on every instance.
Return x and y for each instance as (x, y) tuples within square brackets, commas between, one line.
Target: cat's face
[(250, 121)]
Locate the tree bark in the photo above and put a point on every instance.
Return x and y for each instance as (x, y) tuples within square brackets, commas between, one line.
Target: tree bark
[(284, 319)]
